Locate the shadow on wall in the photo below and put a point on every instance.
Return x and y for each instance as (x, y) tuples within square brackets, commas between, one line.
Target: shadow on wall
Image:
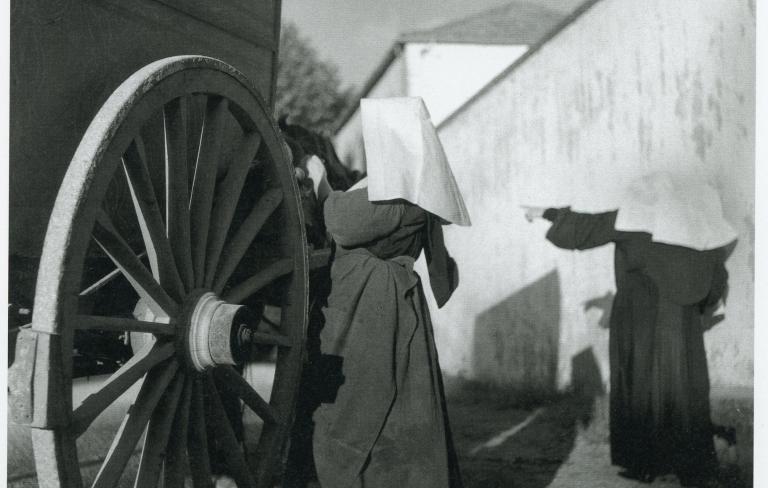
[(602, 304), (517, 340)]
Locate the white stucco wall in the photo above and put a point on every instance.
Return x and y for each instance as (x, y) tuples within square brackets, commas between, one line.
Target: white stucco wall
[(446, 75), (627, 88)]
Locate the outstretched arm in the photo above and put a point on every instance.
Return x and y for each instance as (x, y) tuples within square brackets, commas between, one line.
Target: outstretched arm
[(574, 230)]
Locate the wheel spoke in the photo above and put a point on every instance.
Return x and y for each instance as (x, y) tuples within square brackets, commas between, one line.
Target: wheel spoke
[(242, 240), (120, 253), (151, 355), (120, 324), (195, 107), (199, 462), (226, 201), (240, 387), (177, 188), (151, 146), (151, 221), (130, 430), (98, 284), (177, 444), (204, 181), (157, 437), (259, 280), (235, 458)]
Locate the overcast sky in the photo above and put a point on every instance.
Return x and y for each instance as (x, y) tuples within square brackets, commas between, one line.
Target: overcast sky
[(355, 34)]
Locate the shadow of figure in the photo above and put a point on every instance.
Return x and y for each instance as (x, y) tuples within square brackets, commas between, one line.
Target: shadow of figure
[(539, 430), (320, 382), (586, 384), (604, 304), (322, 375), (521, 433), (516, 341)]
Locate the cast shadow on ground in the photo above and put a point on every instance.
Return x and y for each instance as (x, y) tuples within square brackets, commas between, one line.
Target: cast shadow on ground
[(513, 438), (520, 435)]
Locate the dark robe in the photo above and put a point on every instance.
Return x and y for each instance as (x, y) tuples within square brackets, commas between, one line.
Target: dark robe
[(659, 404), (386, 425)]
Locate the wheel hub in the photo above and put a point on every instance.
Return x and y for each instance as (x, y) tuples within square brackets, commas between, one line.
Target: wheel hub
[(214, 330)]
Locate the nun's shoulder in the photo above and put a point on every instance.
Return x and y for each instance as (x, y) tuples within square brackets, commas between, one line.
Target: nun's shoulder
[(351, 219)]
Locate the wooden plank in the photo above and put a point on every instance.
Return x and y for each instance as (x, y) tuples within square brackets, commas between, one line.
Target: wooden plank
[(250, 20)]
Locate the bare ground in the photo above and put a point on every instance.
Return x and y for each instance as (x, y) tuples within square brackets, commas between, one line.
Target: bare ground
[(508, 440), (504, 440)]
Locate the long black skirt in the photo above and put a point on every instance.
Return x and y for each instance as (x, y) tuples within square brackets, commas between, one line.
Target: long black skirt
[(659, 407)]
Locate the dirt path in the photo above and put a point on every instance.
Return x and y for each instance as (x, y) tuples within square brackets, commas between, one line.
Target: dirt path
[(555, 442), (502, 442)]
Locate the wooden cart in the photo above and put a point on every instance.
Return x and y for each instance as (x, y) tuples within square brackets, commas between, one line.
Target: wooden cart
[(177, 221)]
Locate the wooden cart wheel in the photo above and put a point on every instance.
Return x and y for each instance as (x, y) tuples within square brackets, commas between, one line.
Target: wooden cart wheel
[(157, 187)]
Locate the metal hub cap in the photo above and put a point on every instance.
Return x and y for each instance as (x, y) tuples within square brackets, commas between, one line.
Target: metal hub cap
[(213, 334)]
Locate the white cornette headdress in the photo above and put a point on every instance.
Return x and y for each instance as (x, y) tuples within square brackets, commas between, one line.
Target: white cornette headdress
[(405, 158), (683, 210)]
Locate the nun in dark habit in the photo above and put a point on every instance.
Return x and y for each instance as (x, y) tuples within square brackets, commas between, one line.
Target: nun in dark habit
[(387, 425), (669, 235)]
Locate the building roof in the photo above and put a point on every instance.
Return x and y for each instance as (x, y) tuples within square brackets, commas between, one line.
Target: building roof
[(516, 23), (532, 51), (513, 23)]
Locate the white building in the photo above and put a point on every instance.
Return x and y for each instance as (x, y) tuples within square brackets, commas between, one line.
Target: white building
[(448, 64), (621, 89)]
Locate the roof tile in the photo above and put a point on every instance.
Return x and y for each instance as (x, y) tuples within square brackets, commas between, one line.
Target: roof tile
[(513, 23)]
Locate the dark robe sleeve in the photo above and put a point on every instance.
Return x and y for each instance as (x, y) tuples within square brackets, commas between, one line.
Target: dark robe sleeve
[(443, 272), (352, 220), (573, 230)]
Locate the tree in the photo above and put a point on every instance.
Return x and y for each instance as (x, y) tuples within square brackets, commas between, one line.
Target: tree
[(308, 88)]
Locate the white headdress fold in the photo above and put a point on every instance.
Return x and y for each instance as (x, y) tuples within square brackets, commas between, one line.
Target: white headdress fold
[(683, 210), (405, 158)]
